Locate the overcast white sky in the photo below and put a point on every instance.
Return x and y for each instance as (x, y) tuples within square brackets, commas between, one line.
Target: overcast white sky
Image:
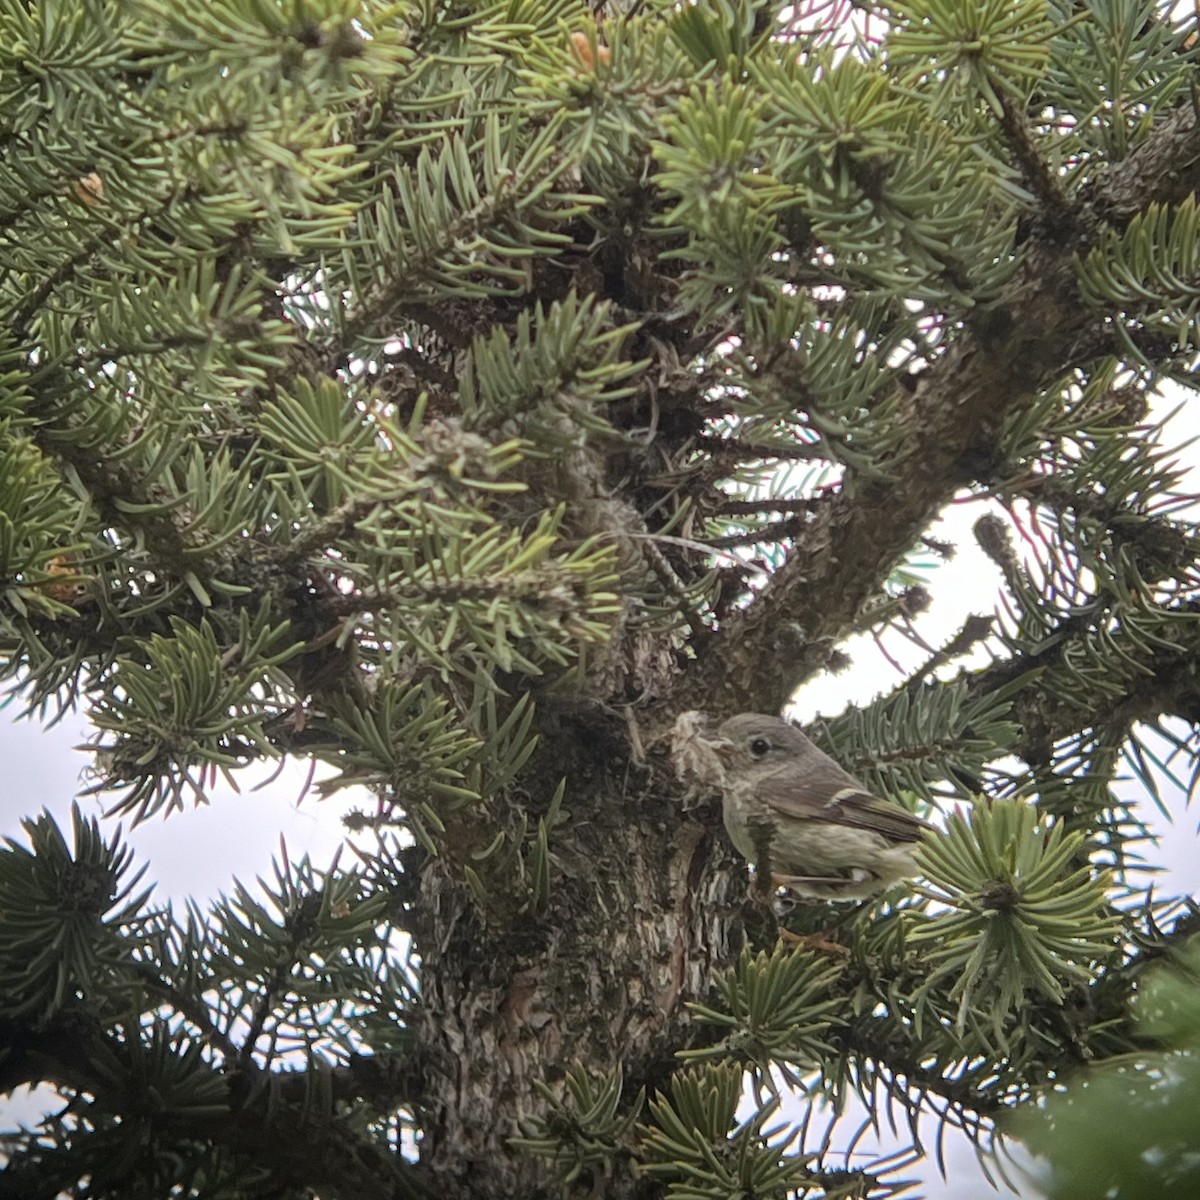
[(198, 852)]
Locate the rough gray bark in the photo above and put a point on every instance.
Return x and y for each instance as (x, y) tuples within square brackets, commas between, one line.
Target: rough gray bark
[(645, 903)]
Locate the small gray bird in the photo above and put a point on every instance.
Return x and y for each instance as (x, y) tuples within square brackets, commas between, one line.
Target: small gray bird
[(789, 807)]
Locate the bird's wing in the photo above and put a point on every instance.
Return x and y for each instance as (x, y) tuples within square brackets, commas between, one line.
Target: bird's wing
[(824, 792)]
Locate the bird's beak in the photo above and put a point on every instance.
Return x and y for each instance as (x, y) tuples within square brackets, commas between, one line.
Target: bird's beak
[(724, 750)]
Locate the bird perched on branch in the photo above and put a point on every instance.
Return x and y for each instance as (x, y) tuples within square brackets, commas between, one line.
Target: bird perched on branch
[(803, 822)]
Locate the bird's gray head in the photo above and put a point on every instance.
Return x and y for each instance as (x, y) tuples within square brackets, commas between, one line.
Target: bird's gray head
[(752, 738)]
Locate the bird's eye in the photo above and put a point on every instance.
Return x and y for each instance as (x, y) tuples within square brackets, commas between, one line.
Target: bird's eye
[(758, 747)]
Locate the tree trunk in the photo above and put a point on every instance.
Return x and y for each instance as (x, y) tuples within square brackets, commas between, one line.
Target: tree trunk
[(644, 907)]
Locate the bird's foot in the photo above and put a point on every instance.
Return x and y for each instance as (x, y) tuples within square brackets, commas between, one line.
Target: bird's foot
[(814, 941), (766, 895)]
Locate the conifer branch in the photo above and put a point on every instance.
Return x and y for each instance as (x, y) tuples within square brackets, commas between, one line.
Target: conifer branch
[(765, 651), (270, 1120)]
